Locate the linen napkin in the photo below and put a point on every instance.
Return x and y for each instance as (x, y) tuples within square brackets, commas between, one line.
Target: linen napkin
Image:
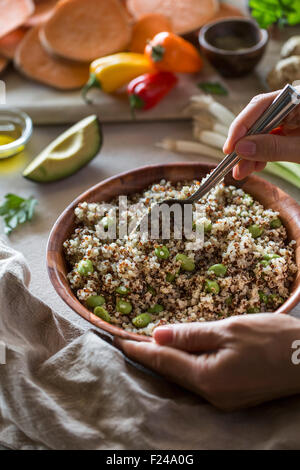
[(64, 388)]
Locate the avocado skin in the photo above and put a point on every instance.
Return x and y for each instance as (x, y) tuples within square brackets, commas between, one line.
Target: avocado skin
[(71, 172)]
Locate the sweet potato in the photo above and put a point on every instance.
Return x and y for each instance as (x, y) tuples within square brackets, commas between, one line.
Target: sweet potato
[(85, 30), (146, 28), (34, 62), (13, 14), (227, 11), (185, 15), (3, 64), (10, 42), (42, 12)]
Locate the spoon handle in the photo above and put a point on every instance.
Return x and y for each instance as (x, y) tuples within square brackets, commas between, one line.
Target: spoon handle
[(283, 104)]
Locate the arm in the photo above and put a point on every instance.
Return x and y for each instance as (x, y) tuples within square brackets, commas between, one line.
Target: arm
[(257, 150), (233, 363)]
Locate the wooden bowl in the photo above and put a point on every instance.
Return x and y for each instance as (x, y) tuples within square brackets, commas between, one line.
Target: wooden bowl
[(137, 180), (233, 63)]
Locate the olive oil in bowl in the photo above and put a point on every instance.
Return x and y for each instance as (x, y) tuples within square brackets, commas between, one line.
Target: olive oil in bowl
[(15, 131)]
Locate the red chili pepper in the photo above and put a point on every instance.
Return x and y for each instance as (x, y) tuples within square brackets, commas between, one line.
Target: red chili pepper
[(147, 90), (278, 131)]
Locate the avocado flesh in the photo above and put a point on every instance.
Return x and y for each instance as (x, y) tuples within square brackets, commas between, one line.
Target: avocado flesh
[(68, 153)]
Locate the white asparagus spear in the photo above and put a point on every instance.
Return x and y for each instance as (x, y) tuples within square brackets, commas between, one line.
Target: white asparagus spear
[(204, 122), (207, 103), (220, 129), (209, 137), (187, 146), (212, 138)]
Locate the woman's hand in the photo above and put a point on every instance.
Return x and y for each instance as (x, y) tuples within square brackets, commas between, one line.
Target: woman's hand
[(257, 150), (233, 363)]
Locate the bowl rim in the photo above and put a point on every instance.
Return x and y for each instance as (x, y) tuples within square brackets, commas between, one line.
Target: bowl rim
[(53, 250), (259, 45), (26, 130)]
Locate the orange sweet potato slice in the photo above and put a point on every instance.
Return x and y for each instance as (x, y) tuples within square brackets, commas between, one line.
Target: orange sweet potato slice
[(85, 30), (13, 14), (146, 28), (10, 42), (227, 11), (42, 12), (33, 61), (185, 15)]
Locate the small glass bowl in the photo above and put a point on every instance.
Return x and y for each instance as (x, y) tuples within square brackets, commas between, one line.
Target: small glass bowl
[(22, 120)]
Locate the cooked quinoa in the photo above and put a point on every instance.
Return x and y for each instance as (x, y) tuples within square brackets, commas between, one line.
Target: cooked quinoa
[(131, 276)]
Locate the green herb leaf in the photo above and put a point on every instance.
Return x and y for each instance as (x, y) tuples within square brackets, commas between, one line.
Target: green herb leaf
[(281, 12), (157, 53), (213, 88), (136, 102), (16, 210)]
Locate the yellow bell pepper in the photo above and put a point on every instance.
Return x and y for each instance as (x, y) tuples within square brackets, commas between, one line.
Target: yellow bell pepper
[(114, 71)]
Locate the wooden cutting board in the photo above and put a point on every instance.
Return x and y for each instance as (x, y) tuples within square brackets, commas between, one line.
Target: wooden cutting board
[(48, 106)]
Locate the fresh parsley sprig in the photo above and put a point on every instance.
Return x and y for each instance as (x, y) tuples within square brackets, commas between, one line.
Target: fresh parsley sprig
[(213, 88), (16, 210)]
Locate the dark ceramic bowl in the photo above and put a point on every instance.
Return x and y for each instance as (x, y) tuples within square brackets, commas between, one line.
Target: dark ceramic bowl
[(217, 38)]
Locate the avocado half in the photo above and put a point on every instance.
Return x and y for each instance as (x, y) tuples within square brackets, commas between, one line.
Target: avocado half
[(68, 153)]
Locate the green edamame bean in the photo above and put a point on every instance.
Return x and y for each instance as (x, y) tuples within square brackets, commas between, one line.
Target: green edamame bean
[(122, 290), (187, 264), (151, 290), (275, 223), (107, 222), (253, 310), (95, 301), (124, 307), (142, 320), (264, 263), (162, 252), (156, 308), (85, 267), (211, 286), (207, 227), (275, 299), (263, 297), (228, 301), (102, 313), (170, 277), (218, 269), (248, 199), (271, 256), (255, 230)]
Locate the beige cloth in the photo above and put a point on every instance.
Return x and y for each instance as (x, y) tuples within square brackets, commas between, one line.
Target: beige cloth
[(62, 388)]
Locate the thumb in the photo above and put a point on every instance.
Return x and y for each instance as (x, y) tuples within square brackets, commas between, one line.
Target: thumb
[(269, 147), (190, 337)]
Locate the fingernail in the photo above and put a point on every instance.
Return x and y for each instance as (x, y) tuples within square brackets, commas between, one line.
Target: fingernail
[(246, 148), (163, 335)]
